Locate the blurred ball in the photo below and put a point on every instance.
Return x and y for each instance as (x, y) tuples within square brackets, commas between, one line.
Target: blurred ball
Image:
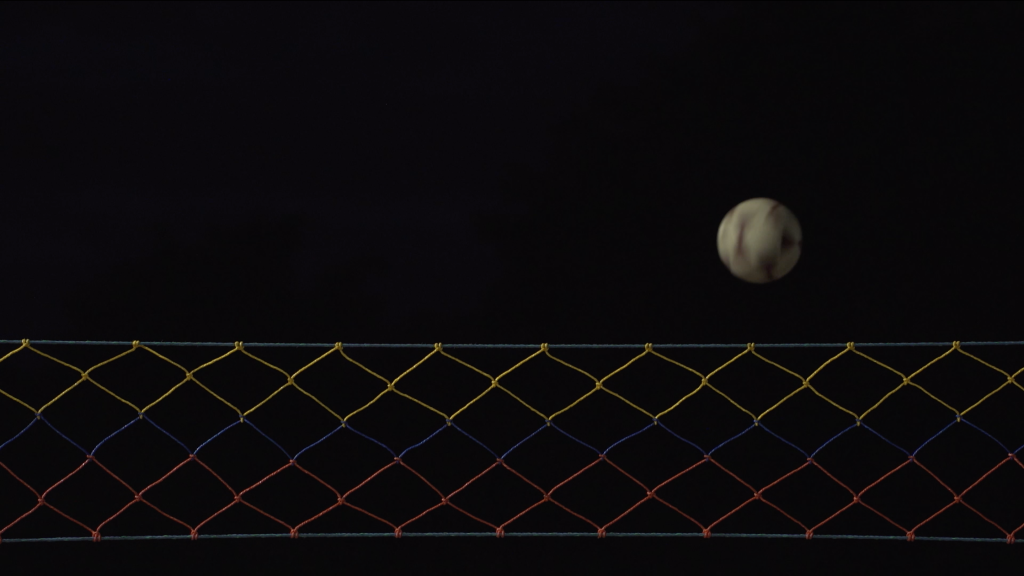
[(759, 240)]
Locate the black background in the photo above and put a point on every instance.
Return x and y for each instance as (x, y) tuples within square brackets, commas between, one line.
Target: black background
[(513, 173)]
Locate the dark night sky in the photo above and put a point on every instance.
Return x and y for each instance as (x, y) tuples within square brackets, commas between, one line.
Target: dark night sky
[(507, 172), (504, 172)]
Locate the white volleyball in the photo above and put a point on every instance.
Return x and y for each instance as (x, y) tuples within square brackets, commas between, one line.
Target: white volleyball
[(759, 240)]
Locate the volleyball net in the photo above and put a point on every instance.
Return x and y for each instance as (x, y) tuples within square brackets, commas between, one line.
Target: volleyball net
[(166, 440)]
